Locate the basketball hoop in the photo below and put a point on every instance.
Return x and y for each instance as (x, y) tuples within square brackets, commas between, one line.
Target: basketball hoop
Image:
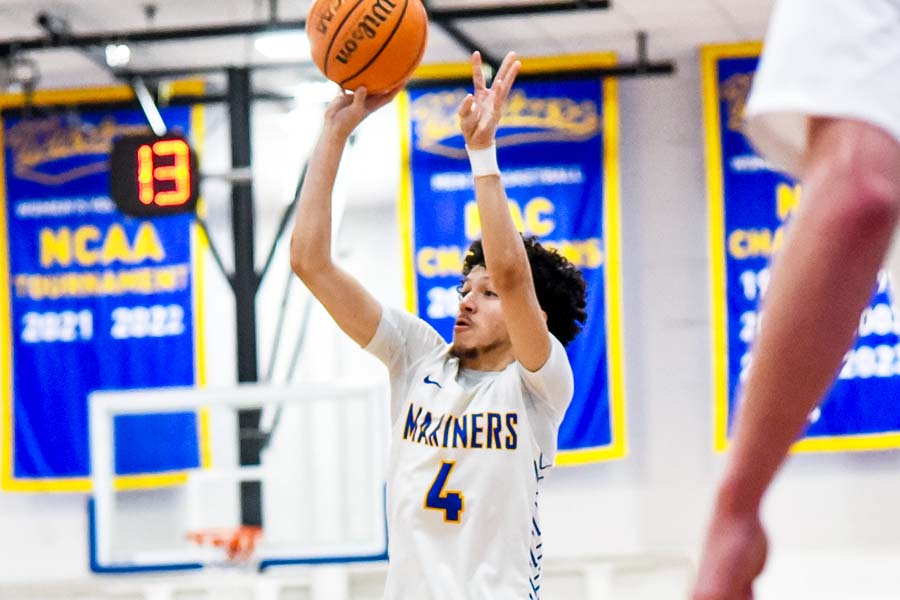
[(238, 542)]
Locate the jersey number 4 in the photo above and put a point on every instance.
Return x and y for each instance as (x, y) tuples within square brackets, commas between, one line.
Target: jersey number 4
[(451, 502)]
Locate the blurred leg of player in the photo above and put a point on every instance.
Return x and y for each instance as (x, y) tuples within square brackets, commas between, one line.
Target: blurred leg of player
[(821, 281), (824, 275)]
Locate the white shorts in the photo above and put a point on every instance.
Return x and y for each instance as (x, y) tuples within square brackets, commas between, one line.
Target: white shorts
[(824, 58)]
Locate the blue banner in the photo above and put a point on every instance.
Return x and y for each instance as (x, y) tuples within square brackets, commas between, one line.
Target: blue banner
[(557, 148), (91, 300), (749, 204)]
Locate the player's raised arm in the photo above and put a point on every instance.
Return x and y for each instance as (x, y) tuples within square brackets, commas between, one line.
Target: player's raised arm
[(504, 251), (352, 307)]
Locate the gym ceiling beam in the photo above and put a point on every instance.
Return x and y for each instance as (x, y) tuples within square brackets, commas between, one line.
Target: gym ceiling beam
[(9, 47)]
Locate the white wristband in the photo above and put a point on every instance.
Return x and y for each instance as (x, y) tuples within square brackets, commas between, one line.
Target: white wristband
[(484, 161)]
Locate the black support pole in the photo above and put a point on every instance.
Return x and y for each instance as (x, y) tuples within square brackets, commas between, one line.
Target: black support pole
[(245, 282)]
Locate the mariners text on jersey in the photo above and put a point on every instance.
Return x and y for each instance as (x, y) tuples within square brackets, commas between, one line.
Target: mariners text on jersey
[(484, 430)]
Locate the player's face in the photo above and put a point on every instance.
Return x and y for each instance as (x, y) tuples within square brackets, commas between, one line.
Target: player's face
[(479, 328)]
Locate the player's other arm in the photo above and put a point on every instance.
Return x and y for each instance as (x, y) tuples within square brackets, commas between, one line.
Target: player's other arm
[(351, 306), (504, 252)]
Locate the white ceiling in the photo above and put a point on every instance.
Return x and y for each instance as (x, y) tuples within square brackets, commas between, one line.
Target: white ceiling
[(675, 30)]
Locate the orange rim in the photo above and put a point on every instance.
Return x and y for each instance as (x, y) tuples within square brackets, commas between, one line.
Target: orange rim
[(237, 542)]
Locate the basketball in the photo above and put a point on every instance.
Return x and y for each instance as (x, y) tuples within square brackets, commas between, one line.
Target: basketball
[(371, 43)]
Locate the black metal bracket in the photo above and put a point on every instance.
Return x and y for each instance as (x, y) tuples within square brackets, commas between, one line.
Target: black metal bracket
[(641, 67), (146, 36), (217, 257), (59, 32), (516, 10), (446, 18), (457, 34)]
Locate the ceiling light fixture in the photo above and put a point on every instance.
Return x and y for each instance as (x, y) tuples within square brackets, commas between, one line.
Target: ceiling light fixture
[(117, 55)]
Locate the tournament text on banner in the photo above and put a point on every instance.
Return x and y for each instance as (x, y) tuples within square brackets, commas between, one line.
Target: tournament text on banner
[(749, 205), (90, 299), (558, 151)]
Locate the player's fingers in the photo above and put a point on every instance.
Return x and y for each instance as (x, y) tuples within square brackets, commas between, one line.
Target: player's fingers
[(505, 66), (340, 100), (359, 97), (466, 107), (511, 75), (376, 101), (502, 86), (477, 71), (499, 93)]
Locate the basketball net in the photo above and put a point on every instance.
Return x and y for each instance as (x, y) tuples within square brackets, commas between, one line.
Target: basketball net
[(238, 543)]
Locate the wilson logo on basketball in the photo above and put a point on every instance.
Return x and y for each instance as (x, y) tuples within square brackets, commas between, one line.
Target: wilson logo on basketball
[(371, 43), (326, 16), (366, 28)]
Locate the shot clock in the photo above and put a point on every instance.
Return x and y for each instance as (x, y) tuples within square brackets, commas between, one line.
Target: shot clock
[(153, 176)]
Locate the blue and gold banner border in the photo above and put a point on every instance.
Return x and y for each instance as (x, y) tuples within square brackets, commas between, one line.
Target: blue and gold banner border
[(617, 448), (710, 56), (8, 482)]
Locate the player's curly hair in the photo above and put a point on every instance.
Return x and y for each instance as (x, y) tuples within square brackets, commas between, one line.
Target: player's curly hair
[(560, 288)]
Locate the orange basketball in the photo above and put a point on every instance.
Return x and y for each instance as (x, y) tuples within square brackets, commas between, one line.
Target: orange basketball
[(375, 43)]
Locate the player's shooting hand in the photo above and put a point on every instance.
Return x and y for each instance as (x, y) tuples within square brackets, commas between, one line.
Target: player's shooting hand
[(348, 110), (480, 112)]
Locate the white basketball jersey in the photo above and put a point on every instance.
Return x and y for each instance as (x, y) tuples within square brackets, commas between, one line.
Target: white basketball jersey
[(468, 451)]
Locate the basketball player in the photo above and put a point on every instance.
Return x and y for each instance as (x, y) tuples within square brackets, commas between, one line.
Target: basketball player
[(825, 106), (474, 423)]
